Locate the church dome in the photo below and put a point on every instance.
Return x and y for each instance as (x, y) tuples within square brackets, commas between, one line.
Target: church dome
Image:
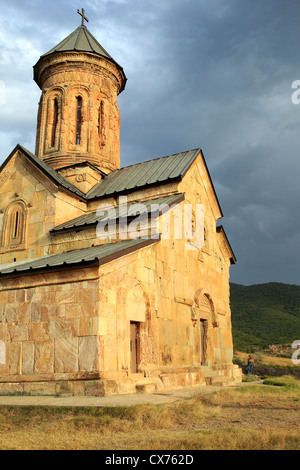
[(78, 117), (80, 40)]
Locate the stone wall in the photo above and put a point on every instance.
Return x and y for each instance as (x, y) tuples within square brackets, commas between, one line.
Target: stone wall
[(50, 330)]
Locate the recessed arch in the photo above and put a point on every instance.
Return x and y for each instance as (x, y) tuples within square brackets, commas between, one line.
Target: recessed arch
[(132, 295), (15, 224), (134, 300), (54, 100), (77, 112), (204, 306), (205, 323)]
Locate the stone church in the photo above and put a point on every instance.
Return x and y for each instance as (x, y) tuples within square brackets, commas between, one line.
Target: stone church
[(90, 310)]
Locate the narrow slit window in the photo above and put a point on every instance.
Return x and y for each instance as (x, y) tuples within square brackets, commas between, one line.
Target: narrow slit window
[(78, 118), (16, 225), (100, 123), (14, 229), (55, 122)]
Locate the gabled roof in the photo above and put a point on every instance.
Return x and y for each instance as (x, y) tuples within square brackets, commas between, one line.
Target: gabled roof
[(121, 211), (100, 254), (152, 172), (149, 173), (127, 179), (46, 169)]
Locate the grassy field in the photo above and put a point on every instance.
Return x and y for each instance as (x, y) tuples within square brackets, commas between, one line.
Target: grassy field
[(252, 417), (266, 359)]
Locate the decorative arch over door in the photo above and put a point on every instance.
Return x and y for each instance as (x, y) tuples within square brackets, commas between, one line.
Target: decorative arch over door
[(204, 319), (204, 307), (141, 324)]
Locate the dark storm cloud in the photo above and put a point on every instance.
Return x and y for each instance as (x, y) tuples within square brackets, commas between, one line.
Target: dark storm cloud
[(214, 74)]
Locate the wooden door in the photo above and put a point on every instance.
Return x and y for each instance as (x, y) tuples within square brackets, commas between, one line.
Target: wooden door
[(133, 347)]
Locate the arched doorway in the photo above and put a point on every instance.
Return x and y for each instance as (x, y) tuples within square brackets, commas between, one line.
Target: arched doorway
[(140, 326), (204, 319), (136, 308)]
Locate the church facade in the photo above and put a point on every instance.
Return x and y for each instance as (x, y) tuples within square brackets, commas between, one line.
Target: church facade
[(100, 292)]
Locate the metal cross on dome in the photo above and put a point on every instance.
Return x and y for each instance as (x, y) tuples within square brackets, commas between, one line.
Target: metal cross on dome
[(81, 13)]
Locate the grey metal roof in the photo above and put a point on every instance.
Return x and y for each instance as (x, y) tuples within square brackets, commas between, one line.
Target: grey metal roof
[(127, 179), (101, 253), (143, 174), (80, 40), (122, 211)]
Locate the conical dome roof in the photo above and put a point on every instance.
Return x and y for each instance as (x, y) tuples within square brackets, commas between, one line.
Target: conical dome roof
[(80, 40)]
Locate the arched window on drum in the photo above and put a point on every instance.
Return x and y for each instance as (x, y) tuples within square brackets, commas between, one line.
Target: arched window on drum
[(78, 120)]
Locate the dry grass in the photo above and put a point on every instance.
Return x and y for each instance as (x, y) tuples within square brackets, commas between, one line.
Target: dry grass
[(252, 417), (265, 359)]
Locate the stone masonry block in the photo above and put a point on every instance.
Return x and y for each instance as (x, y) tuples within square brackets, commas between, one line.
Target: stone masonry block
[(66, 355), (44, 357), (60, 328), (89, 353), (27, 357)]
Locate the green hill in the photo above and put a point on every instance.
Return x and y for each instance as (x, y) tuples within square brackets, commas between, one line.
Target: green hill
[(264, 314)]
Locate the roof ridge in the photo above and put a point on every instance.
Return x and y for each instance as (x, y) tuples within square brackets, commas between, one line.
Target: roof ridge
[(107, 184), (85, 31), (97, 42), (159, 158), (78, 36), (63, 41)]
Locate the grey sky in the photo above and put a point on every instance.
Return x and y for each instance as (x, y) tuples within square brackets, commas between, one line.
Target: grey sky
[(215, 74)]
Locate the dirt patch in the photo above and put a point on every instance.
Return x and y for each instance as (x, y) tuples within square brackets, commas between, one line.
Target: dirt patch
[(244, 410), (255, 417)]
